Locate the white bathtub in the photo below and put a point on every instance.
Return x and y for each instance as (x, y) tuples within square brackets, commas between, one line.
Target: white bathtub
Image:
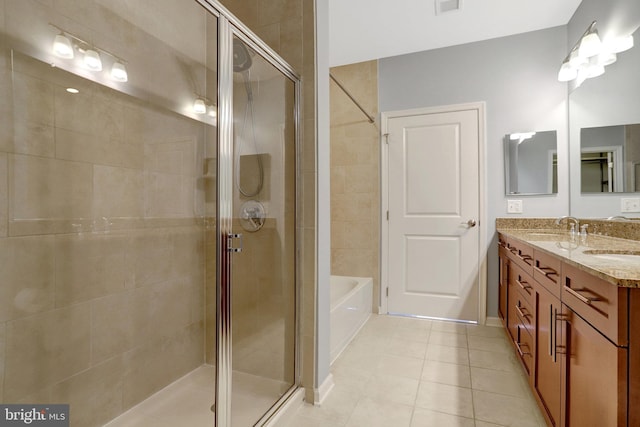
[(351, 299)]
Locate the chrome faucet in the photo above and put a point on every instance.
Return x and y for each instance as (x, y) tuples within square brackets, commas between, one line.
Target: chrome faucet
[(568, 219)]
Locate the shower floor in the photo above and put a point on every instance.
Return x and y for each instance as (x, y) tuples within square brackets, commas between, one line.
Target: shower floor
[(187, 401)]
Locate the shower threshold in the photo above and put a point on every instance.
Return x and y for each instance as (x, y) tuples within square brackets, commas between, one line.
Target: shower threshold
[(187, 401)]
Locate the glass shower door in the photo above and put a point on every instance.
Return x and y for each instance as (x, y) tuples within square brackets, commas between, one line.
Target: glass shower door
[(262, 235)]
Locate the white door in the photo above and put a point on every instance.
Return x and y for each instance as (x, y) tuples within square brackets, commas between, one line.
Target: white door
[(433, 194)]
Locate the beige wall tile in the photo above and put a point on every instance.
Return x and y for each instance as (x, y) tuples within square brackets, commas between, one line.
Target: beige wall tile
[(97, 149), (148, 259), (112, 326), (160, 310), (95, 395), (4, 195), (158, 362), (270, 11), (33, 138), (46, 188), (117, 192), (27, 274), (38, 350), (89, 266), (33, 99)]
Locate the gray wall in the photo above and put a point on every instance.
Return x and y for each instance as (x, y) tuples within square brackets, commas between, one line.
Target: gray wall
[(517, 78)]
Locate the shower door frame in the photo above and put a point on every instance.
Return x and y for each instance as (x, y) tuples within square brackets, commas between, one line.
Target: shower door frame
[(228, 27)]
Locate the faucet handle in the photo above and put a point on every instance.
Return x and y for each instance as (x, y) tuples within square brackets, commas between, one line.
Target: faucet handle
[(583, 229)]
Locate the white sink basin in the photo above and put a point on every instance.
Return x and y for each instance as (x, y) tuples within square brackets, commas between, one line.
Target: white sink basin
[(619, 256)]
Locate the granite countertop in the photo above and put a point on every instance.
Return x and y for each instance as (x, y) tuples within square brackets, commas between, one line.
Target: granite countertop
[(613, 259)]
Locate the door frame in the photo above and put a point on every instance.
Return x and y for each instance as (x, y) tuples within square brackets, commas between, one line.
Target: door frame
[(480, 107)]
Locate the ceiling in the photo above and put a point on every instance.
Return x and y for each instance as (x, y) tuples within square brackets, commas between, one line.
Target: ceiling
[(362, 30)]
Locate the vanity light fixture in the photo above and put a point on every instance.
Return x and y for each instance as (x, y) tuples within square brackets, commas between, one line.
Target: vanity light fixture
[(199, 107), (65, 44), (590, 56), (119, 72), (62, 46), (92, 60), (202, 105)]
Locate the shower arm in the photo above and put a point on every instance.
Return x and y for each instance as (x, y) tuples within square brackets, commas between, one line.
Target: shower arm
[(369, 116)]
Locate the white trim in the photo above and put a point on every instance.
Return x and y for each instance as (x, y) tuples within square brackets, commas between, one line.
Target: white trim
[(493, 322), (286, 412), (321, 393), (482, 205)]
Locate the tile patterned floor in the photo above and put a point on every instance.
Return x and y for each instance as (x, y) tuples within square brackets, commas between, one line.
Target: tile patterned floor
[(402, 372)]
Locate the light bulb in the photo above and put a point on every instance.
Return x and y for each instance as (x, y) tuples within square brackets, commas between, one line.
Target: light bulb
[(607, 58), (62, 46), (199, 107), (594, 69), (576, 60), (590, 45), (119, 72), (212, 111), (92, 60), (619, 44), (567, 72)]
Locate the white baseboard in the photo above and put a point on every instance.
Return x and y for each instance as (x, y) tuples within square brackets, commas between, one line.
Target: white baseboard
[(493, 321), (323, 391)]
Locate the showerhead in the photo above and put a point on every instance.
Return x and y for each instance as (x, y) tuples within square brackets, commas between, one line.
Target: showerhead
[(241, 57)]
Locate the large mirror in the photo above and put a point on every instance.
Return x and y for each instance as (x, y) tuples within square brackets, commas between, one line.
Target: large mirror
[(604, 139), (610, 159), (531, 163)]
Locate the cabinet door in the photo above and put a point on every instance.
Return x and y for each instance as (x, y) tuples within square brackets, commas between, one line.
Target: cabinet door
[(595, 386), (502, 284), (548, 373)]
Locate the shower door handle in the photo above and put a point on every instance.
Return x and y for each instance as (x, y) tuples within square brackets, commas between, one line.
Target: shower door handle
[(230, 238)]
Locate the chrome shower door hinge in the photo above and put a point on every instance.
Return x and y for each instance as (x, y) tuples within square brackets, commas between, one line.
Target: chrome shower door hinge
[(230, 238)]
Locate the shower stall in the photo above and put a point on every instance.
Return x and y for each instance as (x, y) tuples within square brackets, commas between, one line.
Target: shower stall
[(148, 211)]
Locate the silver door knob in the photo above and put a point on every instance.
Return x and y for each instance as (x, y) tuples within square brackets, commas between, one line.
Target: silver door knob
[(471, 223)]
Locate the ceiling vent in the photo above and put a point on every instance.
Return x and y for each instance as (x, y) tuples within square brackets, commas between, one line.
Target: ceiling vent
[(446, 6)]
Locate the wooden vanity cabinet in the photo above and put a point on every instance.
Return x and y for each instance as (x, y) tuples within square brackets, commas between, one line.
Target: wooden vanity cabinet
[(503, 277), (547, 379), (577, 336)]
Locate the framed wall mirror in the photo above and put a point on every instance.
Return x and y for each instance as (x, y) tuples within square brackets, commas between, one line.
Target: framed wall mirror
[(531, 163)]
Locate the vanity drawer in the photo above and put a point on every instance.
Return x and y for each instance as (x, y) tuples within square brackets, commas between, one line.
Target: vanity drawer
[(597, 301), (522, 281), (524, 312), (546, 270), (521, 254), (524, 346)]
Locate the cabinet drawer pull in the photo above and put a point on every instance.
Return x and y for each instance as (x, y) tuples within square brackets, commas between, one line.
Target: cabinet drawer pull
[(513, 250), (526, 258), (520, 351), (547, 271), (586, 300), (524, 285), (521, 313)]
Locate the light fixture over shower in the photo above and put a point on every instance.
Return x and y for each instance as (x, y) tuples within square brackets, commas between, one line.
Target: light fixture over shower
[(590, 55)]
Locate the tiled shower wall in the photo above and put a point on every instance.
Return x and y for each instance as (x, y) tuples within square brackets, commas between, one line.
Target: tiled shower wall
[(101, 253), (355, 179)]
